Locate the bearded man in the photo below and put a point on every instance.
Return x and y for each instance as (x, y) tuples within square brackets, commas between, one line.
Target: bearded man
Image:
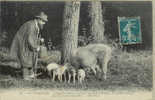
[(26, 42)]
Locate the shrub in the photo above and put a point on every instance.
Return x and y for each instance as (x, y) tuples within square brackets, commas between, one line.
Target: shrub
[(133, 68)]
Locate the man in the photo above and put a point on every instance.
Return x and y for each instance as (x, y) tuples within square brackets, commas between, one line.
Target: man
[(26, 43)]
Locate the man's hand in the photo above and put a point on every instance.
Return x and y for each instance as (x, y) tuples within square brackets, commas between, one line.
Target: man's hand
[(38, 49), (42, 40)]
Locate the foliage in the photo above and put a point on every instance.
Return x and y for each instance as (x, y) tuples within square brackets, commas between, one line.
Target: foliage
[(83, 40), (4, 53), (3, 37), (133, 68)]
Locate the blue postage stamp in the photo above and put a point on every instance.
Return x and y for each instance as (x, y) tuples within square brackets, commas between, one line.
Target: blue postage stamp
[(129, 30)]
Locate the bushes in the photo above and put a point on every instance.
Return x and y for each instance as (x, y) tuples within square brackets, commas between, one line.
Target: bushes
[(131, 69), (53, 56), (6, 59)]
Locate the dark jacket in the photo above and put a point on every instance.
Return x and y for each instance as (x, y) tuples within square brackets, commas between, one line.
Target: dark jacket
[(24, 43)]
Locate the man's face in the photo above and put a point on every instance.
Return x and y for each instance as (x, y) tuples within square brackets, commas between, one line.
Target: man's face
[(41, 24)]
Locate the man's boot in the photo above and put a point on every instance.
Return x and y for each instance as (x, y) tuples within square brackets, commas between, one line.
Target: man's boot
[(25, 73), (31, 73), (28, 74)]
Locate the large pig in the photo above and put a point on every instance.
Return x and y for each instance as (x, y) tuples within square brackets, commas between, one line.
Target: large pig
[(91, 55), (83, 58)]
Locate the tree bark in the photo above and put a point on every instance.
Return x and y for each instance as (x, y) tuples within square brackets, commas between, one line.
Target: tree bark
[(96, 21), (70, 29)]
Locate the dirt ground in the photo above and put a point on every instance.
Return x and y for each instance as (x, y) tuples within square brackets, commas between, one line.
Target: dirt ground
[(63, 94)]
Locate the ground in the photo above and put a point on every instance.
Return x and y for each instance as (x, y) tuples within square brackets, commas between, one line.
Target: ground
[(45, 89), (68, 94)]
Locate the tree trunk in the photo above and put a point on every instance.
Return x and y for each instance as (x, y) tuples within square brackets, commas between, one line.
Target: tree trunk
[(70, 29), (96, 21)]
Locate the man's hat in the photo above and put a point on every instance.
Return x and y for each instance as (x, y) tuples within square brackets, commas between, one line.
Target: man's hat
[(42, 16)]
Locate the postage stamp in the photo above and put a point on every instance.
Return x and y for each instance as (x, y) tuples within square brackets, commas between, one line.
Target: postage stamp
[(130, 30)]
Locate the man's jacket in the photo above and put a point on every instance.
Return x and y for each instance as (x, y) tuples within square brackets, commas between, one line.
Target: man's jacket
[(24, 44)]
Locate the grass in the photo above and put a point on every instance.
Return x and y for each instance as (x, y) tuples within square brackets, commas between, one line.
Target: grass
[(47, 84), (132, 68), (125, 70)]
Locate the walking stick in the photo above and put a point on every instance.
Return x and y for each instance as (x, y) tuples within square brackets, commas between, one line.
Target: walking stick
[(36, 62), (36, 53)]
